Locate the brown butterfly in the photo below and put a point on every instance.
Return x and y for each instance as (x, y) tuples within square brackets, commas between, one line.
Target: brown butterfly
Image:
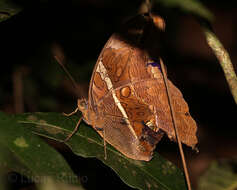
[(127, 102)]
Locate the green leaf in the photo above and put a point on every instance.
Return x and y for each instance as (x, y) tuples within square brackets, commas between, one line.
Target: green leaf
[(8, 9), (27, 154), (190, 6), (155, 174), (220, 176)]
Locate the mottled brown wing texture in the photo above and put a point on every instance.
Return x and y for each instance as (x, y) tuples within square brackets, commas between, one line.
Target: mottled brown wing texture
[(130, 67), (118, 134), (153, 92), (96, 91), (119, 112)]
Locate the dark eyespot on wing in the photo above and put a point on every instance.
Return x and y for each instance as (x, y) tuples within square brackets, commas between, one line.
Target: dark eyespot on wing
[(187, 114)]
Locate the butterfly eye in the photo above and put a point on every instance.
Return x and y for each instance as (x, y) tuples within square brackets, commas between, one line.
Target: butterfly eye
[(83, 104)]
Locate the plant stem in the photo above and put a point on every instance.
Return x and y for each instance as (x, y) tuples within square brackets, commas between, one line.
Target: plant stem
[(223, 58), (175, 126)]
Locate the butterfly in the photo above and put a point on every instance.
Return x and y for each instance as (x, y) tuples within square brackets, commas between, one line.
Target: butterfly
[(127, 101)]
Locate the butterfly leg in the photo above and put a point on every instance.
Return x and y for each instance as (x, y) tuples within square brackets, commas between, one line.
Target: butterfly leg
[(105, 156), (74, 131), (72, 113), (105, 150)]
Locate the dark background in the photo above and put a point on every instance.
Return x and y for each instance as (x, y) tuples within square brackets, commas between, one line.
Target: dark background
[(81, 28)]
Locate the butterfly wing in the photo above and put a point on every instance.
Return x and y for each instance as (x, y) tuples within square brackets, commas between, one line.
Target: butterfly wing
[(119, 132), (152, 91), (124, 64), (111, 93)]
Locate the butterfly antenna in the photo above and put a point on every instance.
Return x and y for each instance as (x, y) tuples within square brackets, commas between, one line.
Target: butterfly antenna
[(60, 58), (175, 126), (60, 62)]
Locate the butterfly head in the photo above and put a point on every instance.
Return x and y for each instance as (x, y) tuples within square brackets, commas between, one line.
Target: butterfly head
[(82, 105)]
